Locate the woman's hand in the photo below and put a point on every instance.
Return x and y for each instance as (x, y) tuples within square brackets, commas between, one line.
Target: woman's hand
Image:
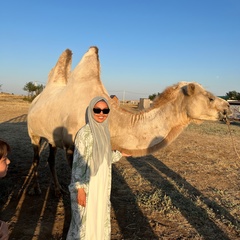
[(81, 197)]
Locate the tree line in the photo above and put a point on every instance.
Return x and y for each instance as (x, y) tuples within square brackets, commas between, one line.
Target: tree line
[(231, 95)]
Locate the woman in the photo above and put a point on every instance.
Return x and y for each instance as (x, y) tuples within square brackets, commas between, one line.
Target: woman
[(90, 186), (4, 162)]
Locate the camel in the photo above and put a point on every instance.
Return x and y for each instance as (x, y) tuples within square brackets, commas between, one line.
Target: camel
[(59, 112)]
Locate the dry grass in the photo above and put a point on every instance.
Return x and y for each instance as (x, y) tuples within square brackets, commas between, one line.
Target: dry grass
[(189, 190)]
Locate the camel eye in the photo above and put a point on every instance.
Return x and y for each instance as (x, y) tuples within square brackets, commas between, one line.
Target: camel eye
[(210, 97)]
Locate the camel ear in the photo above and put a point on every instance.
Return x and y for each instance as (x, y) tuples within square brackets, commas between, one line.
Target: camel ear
[(189, 89)]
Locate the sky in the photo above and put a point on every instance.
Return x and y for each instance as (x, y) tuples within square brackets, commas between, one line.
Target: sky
[(144, 45)]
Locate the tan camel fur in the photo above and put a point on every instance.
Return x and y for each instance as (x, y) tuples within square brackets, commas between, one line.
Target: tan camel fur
[(59, 112)]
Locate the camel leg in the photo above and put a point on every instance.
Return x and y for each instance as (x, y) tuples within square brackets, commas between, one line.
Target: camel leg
[(51, 162), (35, 190)]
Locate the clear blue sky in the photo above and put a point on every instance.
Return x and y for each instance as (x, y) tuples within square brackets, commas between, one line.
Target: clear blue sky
[(144, 45)]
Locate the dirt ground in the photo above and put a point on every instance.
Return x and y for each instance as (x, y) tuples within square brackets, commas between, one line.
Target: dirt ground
[(189, 190)]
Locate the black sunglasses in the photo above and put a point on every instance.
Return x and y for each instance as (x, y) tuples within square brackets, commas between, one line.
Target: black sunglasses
[(98, 110)]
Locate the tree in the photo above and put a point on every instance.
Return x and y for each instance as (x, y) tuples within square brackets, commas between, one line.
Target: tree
[(33, 89), (39, 89), (0, 87), (30, 88), (233, 95), (151, 97)]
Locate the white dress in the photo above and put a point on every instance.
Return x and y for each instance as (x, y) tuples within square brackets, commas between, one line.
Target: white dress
[(97, 211), (93, 221)]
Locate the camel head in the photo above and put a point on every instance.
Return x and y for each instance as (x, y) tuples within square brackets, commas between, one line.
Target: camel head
[(202, 105), (191, 102)]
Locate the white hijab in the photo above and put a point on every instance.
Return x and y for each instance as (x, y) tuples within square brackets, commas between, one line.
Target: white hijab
[(101, 138)]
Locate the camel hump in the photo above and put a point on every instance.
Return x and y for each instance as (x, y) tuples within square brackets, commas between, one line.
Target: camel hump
[(92, 50), (60, 73), (88, 68)]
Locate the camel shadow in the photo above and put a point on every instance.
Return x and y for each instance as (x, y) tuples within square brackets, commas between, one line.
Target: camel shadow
[(127, 211), (195, 215), (32, 217)]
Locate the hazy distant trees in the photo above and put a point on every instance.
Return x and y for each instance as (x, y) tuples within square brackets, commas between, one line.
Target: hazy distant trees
[(0, 87), (33, 89), (151, 97), (233, 95)]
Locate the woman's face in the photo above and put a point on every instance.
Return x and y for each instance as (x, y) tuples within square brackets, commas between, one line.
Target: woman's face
[(4, 161), (100, 117)]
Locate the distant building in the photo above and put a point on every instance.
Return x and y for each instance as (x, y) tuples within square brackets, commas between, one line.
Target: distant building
[(144, 103)]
